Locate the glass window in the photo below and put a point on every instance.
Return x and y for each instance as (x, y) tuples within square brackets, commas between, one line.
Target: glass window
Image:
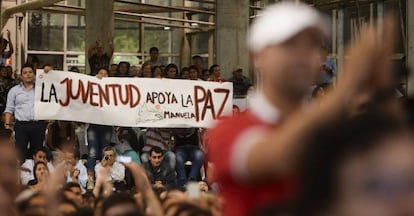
[(76, 3), (133, 60), (55, 60), (45, 31), (199, 43), (158, 37), (126, 36), (76, 33)]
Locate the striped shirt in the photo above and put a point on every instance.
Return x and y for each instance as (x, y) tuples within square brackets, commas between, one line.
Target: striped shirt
[(157, 137)]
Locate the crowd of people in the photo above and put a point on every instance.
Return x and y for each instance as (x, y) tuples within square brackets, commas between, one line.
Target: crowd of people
[(99, 58), (349, 150)]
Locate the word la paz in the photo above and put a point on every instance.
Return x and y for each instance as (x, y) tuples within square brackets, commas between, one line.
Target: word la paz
[(204, 102), (93, 93)]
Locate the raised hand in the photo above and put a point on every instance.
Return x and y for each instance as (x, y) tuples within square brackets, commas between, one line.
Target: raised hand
[(367, 69)]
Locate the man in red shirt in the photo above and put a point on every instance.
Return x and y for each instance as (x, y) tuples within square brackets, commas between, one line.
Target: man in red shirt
[(255, 154)]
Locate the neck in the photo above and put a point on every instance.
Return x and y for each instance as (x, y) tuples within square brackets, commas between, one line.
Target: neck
[(284, 102), (28, 85)]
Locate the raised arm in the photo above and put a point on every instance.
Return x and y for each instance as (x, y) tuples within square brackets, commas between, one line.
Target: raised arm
[(92, 50), (110, 46), (11, 49), (144, 187)]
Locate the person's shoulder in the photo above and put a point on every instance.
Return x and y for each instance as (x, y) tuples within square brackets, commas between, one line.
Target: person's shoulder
[(221, 79), (98, 166), (16, 87), (145, 165), (28, 163), (247, 79), (118, 165), (80, 164), (229, 128), (240, 121), (166, 167)]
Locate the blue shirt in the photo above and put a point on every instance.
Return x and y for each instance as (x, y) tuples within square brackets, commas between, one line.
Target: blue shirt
[(20, 102), (326, 77)]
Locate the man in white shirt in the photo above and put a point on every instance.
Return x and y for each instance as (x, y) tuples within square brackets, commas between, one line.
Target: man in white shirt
[(117, 170), (75, 170), (26, 172)]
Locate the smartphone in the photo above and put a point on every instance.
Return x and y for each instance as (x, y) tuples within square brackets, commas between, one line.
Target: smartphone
[(124, 159)]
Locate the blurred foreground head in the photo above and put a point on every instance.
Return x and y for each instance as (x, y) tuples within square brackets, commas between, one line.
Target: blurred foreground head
[(285, 43), (9, 187), (360, 166), (8, 164)]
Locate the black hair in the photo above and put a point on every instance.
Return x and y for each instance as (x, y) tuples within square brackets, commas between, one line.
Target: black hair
[(171, 66), (89, 194), (119, 66), (119, 199), (70, 185), (156, 149), (43, 149), (211, 70), (34, 170), (155, 49), (109, 148), (196, 57), (183, 70), (154, 68), (25, 66), (103, 68), (193, 67), (64, 200), (47, 65), (74, 69), (329, 148)]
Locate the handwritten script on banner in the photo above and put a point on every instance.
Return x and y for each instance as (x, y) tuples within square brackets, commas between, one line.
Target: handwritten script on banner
[(134, 102)]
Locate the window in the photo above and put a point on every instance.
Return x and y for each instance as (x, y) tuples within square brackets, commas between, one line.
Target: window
[(45, 31)]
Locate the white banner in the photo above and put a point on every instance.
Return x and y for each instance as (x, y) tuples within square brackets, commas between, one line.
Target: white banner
[(131, 102)]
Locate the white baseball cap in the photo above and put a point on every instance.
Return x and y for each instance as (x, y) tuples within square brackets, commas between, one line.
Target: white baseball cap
[(281, 21)]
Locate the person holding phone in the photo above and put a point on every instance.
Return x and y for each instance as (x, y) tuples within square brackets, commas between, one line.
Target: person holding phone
[(117, 170)]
